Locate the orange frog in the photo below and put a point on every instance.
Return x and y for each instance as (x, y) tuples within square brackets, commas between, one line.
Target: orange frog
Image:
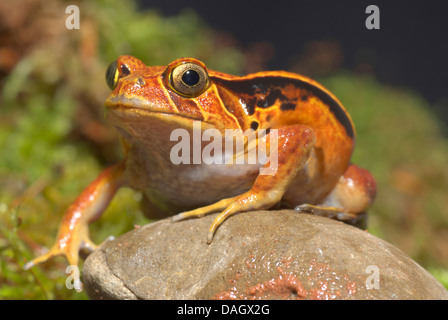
[(314, 140)]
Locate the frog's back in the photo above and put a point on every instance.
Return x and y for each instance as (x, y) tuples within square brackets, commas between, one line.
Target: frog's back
[(277, 99)]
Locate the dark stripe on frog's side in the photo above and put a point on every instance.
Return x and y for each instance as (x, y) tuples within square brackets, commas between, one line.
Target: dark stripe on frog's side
[(268, 88), (288, 106), (271, 96)]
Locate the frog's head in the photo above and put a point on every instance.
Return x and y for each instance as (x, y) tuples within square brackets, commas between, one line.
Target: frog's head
[(148, 99)]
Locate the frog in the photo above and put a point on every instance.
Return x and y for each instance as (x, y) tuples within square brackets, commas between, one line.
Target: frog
[(308, 128)]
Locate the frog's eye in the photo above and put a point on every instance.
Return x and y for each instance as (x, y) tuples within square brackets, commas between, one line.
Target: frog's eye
[(189, 79), (113, 74)]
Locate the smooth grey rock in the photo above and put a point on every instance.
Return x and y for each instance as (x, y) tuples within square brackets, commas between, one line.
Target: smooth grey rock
[(255, 255)]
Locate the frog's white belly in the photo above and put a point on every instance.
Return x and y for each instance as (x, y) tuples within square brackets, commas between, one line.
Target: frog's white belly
[(189, 185)]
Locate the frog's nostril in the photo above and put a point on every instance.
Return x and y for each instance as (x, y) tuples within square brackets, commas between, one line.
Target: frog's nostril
[(140, 81)]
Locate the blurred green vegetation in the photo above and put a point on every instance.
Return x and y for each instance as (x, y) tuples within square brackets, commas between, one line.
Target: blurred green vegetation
[(54, 140)]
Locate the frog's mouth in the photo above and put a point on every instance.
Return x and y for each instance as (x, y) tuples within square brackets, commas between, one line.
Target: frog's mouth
[(133, 112), (123, 104)]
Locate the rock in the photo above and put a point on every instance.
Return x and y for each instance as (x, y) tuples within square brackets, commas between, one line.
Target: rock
[(255, 255)]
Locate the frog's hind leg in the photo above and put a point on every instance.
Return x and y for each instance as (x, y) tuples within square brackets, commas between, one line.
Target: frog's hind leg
[(349, 200)]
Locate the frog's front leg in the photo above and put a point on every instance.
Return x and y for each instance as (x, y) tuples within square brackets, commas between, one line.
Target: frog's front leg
[(73, 232), (292, 146)]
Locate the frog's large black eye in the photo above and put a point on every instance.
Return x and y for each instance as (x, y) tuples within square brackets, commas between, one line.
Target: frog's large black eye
[(112, 75), (189, 79)]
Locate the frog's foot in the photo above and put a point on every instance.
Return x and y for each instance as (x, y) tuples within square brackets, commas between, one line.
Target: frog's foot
[(245, 202), (69, 249), (61, 248), (329, 212), (200, 212)]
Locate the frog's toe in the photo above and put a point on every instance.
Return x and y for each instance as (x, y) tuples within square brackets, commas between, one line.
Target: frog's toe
[(180, 216), (210, 236), (28, 265), (89, 246), (51, 253), (200, 212), (109, 238), (329, 212), (302, 208)]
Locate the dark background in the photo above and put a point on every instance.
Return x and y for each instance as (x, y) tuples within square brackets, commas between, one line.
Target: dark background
[(409, 50)]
